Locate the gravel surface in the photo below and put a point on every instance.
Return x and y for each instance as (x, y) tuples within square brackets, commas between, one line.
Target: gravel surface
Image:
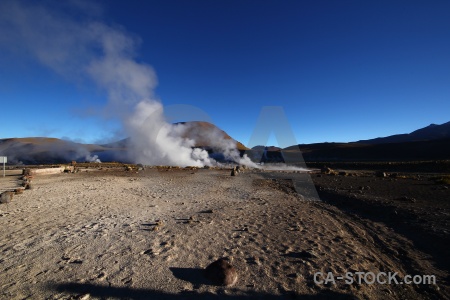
[(150, 234)]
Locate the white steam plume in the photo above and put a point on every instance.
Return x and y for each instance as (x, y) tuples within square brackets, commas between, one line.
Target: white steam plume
[(219, 142), (105, 54)]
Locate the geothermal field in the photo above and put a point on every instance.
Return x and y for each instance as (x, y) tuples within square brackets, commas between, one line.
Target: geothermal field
[(224, 150), (127, 232)]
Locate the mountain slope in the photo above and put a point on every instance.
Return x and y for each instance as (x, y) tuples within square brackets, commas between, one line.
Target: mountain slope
[(206, 134), (431, 132), (422, 144), (44, 150), (437, 149)]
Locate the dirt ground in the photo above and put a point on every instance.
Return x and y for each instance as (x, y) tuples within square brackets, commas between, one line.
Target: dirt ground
[(112, 234)]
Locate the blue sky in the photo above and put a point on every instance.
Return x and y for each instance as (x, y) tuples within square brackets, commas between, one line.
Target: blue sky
[(341, 70)]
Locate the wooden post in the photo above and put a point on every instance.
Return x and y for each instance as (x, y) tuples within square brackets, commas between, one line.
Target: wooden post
[(3, 159)]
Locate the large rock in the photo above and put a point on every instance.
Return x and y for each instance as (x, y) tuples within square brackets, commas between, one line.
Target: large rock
[(221, 272), (6, 197)]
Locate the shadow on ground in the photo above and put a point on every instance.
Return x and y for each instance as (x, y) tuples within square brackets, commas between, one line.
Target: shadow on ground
[(98, 291), (193, 275), (401, 220)]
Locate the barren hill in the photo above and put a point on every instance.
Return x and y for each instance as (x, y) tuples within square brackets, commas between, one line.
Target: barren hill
[(41, 150)]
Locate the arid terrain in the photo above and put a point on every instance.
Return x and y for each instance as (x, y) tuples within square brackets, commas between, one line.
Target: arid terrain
[(109, 233)]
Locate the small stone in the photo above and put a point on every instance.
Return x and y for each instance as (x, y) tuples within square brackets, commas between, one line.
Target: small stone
[(407, 199), (76, 261), (6, 197), (381, 174), (326, 170)]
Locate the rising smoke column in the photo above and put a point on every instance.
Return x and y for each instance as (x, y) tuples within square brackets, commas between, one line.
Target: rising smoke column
[(88, 48)]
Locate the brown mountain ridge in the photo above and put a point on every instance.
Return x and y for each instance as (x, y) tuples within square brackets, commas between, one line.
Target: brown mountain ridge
[(429, 143)]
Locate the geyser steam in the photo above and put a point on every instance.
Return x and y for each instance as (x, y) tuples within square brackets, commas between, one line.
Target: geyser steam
[(87, 48)]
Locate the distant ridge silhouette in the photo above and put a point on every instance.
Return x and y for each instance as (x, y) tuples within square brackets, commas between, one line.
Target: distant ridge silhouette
[(428, 143), (431, 132)]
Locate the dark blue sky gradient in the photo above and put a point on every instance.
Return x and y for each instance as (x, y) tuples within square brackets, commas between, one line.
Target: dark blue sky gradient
[(342, 70)]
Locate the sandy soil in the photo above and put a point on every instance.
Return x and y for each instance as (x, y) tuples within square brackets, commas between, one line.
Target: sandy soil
[(149, 235)]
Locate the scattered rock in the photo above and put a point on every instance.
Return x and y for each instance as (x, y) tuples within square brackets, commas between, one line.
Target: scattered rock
[(407, 199), (233, 172), (18, 191), (76, 261), (329, 171), (221, 272), (303, 254), (326, 170), (381, 174), (6, 197), (362, 188)]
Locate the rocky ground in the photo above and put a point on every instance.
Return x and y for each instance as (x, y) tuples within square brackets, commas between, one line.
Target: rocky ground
[(148, 235)]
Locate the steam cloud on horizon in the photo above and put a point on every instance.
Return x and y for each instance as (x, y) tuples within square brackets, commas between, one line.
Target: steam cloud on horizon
[(89, 48)]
